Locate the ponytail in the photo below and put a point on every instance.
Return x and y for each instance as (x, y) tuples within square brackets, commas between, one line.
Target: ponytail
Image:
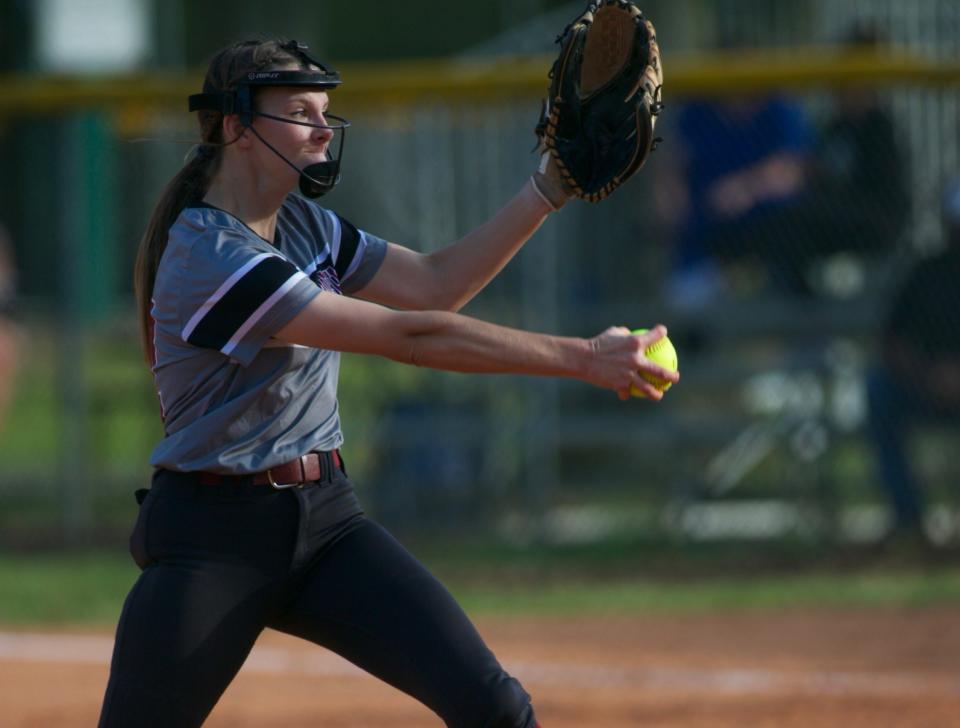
[(187, 187)]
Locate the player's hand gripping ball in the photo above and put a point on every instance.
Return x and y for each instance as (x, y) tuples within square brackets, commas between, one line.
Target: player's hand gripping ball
[(661, 353)]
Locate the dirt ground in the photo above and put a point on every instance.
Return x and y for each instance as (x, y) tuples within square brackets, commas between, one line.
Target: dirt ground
[(850, 669)]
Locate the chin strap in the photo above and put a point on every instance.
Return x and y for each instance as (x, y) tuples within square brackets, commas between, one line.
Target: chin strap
[(316, 179)]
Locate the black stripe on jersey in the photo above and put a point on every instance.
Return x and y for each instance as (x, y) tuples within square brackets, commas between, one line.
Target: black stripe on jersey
[(239, 303), (349, 242)]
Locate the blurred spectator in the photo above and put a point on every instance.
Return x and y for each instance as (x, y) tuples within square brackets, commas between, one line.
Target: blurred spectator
[(856, 196), (755, 185), (742, 160), (8, 332), (918, 377)]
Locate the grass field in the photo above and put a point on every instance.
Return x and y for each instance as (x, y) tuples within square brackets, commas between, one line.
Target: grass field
[(89, 589)]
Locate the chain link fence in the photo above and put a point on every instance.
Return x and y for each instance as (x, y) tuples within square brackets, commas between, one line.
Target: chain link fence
[(786, 412)]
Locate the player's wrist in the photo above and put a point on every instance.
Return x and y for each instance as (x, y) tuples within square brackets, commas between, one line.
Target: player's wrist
[(549, 204), (547, 184)]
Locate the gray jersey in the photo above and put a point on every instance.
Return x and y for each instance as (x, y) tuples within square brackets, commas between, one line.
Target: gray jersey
[(233, 399)]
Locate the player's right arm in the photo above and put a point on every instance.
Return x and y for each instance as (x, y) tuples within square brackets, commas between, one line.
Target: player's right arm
[(452, 342)]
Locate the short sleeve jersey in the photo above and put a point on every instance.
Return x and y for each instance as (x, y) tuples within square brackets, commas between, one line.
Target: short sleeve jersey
[(233, 398)]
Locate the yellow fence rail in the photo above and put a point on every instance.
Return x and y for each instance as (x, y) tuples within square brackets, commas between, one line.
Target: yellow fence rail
[(374, 84)]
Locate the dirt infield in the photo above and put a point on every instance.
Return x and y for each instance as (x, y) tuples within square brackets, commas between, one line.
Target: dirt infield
[(894, 668)]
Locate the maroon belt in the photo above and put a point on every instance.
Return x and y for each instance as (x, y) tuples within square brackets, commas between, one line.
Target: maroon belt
[(305, 469)]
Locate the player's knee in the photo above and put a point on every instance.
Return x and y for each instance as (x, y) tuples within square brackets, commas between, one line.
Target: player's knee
[(508, 705)]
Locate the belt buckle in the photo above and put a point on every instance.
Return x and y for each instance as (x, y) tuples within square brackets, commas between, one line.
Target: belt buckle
[(281, 486)]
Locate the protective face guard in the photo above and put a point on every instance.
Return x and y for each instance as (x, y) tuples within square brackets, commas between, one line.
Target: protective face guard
[(315, 179)]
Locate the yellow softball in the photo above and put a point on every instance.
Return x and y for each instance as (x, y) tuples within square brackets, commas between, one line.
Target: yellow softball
[(660, 352)]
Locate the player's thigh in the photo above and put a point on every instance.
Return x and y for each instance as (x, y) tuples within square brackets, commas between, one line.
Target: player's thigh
[(217, 561), (371, 601), (184, 632)]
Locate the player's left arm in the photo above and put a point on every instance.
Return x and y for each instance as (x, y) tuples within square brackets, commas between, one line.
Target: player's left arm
[(446, 279)]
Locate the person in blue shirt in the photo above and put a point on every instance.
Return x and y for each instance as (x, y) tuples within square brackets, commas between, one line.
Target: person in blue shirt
[(741, 162)]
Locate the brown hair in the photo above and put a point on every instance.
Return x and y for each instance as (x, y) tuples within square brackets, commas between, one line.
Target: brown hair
[(190, 184)]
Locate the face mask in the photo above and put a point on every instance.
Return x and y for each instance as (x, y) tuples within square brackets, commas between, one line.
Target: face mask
[(315, 179)]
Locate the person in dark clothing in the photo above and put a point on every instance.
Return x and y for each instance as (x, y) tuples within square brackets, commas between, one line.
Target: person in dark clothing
[(918, 377), (856, 199)]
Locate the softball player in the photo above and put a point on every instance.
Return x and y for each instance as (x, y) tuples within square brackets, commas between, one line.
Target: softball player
[(247, 294)]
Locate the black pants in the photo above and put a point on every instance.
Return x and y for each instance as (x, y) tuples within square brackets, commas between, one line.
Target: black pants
[(223, 562)]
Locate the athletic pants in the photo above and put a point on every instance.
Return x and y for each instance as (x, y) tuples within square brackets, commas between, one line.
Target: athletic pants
[(221, 563), (895, 407)]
